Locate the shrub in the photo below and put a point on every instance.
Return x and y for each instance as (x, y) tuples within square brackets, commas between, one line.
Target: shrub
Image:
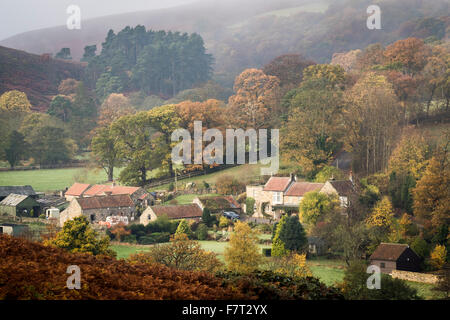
[(171, 187), (181, 253), (157, 237), (77, 235), (224, 222), (250, 206), (229, 185), (202, 232), (42, 216)]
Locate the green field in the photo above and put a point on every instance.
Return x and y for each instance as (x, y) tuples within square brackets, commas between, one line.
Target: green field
[(243, 173), (52, 179)]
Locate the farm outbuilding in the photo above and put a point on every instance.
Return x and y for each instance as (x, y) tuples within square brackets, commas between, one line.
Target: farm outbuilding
[(395, 256), (22, 190), (20, 205)]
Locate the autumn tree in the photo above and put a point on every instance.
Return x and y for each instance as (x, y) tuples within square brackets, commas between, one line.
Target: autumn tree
[(181, 253), (312, 134), (119, 231), (438, 257), (432, 195), (113, 107), (372, 115), (255, 100), (409, 54), (315, 206), (288, 69), (14, 101), (77, 235), (242, 254)]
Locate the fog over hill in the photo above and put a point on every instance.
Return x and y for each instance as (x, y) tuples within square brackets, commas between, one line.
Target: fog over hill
[(250, 33)]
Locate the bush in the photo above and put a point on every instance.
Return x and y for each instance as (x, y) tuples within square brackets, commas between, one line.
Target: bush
[(202, 232), (157, 237), (42, 216), (229, 185), (171, 187), (250, 206)]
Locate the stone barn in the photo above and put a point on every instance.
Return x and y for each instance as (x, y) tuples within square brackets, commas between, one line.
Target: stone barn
[(395, 256), (176, 212), (101, 209), (22, 190)]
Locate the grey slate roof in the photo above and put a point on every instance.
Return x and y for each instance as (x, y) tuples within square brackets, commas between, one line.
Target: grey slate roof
[(23, 190), (13, 200)]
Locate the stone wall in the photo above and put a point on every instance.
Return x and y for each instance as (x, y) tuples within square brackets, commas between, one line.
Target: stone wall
[(415, 276)]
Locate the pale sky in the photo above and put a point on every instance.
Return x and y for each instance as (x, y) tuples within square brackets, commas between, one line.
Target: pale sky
[(17, 16)]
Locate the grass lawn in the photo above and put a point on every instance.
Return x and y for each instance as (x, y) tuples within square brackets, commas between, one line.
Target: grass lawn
[(243, 172), (52, 179), (124, 251)]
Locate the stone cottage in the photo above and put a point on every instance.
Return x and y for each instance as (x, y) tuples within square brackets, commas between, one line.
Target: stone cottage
[(284, 194), (174, 212), (100, 209)]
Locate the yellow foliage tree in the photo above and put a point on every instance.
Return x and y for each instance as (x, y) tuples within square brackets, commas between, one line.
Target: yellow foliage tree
[(432, 194), (15, 101), (382, 215), (293, 266), (410, 156), (242, 254), (438, 256)]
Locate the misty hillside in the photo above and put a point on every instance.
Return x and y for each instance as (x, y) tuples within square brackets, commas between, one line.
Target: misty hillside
[(37, 76), (243, 34)]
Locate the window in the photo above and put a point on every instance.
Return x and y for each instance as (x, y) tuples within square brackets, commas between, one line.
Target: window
[(382, 265), (277, 198)]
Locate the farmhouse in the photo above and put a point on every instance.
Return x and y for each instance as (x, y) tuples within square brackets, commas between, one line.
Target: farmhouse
[(22, 190), (175, 212), (137, 194), (284, 194), (76, 191), (395, 256), (101, 209), (19, 205), (218, 204)]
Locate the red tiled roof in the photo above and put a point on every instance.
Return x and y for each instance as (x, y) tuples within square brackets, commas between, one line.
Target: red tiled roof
[(100, 189), (77, 189), (277, 184), (298, 189), (179, 211), (103, 202), (388, 251)]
